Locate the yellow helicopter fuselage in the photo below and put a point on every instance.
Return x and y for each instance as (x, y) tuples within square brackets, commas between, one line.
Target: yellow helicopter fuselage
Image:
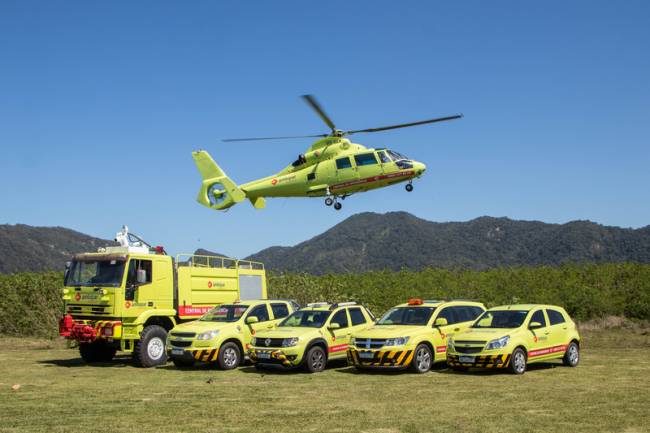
[(335, 166)]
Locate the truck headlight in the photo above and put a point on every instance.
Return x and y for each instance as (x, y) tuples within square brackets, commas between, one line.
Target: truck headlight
[(399, 341), (254, 341), (450, 343), (288, 342), (353, 341), (498, 343), (208, 335)]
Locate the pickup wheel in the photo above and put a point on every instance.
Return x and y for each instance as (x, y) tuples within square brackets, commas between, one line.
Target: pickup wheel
[(518, 361), (149, 351), (229, 356), (97, 351), (572, 355), (315, 360), (422, 359)]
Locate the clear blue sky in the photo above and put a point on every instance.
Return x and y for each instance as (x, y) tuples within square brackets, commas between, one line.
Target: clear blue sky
[(101, 104)]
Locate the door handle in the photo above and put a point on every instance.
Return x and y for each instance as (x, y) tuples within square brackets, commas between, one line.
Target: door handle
[(270, 326), (456, 329)]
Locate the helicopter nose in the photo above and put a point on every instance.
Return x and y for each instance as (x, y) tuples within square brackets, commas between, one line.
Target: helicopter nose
[(420, 168)]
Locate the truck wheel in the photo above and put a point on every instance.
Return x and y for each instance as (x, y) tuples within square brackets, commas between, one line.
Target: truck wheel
[(315, 360), (150, 351), (422, 359), (229, 356), (97, 351), (518, 361), (180, 362), (572, 355)]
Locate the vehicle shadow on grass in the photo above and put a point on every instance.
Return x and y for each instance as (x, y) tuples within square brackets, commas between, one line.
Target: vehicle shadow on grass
[(532, 368), (278, 369), (386, 371), (118, 361)]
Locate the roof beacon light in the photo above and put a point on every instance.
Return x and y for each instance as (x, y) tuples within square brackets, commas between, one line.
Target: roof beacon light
[(415, 301)]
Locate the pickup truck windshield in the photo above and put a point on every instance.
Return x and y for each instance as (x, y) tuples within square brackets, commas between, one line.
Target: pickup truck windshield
[(106, 273), (407, 316), (501, 319), (308, 318), (224, 313)]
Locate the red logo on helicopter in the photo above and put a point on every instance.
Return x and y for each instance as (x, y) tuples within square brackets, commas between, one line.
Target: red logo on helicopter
[(77, 296), (274, 181)]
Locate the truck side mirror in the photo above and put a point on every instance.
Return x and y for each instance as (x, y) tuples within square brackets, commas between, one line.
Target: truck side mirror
[(440, 321), (251, 319), (534, 325), (67, 270), (333, 326), (141, 276)]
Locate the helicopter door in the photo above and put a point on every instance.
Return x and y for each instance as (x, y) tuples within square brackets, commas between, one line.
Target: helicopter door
[(368, 167), (385, 162), (344, 169)]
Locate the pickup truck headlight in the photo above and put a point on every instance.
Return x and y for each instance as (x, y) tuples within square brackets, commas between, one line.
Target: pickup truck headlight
[(399, 341), (450, 343), (208, 335), (353, 341), (289, 342), (498, 343)]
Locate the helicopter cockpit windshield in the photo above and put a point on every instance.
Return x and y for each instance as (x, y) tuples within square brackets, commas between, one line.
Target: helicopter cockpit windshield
[(400, 160), (300, 161)]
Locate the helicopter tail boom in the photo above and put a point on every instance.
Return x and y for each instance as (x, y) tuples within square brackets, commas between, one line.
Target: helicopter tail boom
[(218, 191)]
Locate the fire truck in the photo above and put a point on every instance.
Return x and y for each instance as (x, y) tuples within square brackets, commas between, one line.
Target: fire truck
[(127, 297)]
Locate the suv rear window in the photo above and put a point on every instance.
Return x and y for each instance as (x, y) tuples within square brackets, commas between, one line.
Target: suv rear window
[(555, 317), (280, 310), (357, 317)]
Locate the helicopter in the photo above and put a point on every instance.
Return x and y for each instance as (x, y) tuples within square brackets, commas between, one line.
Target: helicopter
[(333, 167)]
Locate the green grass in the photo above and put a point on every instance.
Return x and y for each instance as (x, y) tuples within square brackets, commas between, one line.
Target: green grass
[(607, 392)]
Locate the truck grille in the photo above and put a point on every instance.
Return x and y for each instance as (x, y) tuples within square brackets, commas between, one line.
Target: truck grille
[(469, 349), (272, 342), (472, 342), (370, 343), (179, 343), (88, 309), (183, 334)]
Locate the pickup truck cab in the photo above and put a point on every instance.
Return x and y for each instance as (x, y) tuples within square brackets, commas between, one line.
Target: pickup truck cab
[(223, 334)]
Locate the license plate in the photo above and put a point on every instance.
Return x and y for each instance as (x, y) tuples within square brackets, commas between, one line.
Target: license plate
[(366, 355), (264, 355), (466, 359), (178, 352)]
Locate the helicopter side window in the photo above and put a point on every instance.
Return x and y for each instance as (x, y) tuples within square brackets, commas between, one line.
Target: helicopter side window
[(383, 157), (365, 159), (342, 163)]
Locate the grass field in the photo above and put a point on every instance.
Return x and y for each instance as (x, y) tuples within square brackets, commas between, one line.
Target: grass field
[(608, 392)]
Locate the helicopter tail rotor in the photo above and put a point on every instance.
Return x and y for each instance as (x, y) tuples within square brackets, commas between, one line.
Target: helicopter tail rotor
[(218, 191)]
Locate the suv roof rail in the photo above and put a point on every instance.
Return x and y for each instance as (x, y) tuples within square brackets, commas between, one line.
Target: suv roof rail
[(433, 301), (317, 304), (464, 299), (343, 304)]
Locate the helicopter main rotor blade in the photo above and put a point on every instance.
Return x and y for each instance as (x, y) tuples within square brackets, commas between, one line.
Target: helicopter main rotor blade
[(273, 138), (404, 125), (311, 100)]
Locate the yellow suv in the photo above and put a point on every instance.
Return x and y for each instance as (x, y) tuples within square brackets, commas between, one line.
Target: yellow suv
[(311, 336), (412, 335), (513, 336), (224, 333)]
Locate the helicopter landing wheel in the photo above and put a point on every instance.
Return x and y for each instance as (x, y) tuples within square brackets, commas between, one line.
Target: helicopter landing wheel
[(338, 206), (329, 201), (409, 187)]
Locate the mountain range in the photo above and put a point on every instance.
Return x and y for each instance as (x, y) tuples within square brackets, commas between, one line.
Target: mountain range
[(371, 241)]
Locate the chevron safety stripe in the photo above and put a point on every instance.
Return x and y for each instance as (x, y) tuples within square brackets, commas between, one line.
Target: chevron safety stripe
[(206, 355), (380, 358)]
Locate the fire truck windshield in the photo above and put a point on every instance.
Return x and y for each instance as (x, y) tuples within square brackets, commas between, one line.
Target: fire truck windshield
[(106, 273)]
